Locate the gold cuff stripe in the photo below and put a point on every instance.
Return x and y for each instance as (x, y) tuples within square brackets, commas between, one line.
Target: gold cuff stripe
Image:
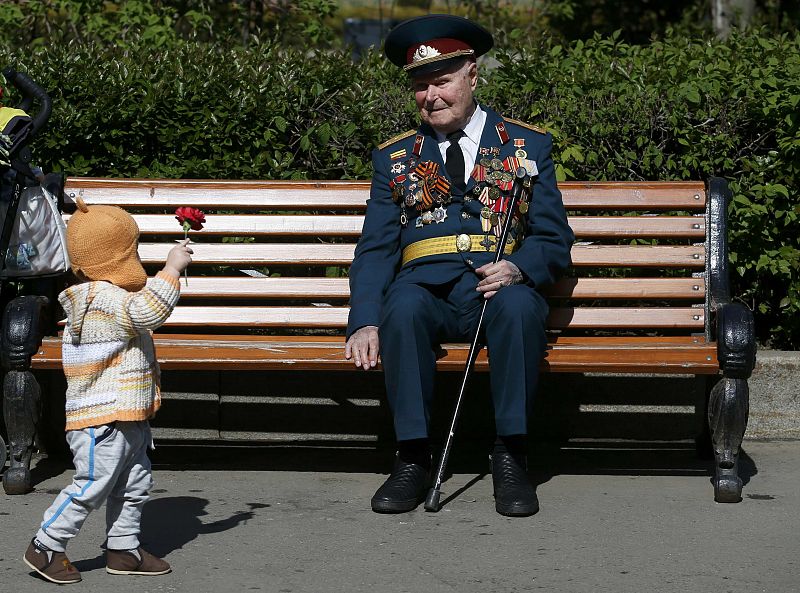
[(452, 244)]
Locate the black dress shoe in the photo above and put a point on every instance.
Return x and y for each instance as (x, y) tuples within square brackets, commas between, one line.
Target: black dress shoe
[(403, 490), (514, 495)]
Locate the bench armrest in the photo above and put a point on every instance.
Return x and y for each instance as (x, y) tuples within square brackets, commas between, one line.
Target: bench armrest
[(735, 333), (719, 195)]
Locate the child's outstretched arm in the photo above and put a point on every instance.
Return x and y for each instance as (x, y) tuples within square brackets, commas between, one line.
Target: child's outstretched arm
[(149, 308)]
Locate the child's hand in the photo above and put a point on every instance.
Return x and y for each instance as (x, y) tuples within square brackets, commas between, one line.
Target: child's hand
[(178, 258)]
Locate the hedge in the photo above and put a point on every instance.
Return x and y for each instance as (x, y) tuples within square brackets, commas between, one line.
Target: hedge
[(679, 108)]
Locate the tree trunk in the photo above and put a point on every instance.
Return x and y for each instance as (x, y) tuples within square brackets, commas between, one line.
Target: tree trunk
[(726, 14)]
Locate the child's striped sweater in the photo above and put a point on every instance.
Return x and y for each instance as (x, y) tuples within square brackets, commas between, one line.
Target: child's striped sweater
[(108, 354)]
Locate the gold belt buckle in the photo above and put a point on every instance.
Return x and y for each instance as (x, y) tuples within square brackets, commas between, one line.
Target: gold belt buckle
[(463, 243)]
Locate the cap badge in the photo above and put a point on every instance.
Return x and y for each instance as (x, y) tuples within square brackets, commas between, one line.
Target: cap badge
[(423, 52)]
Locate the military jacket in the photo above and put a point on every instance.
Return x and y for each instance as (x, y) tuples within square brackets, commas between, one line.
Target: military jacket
[(412, 198)]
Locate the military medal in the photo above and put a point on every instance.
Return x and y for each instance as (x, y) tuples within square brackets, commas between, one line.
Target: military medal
[(501, 132), (519, 143), (487, 243), (434, 187), (439, 215), (479, 172), (397, 191), (486, 224), (398, 168), (418, 141)]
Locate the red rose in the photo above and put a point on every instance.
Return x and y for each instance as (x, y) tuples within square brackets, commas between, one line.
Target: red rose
[(190, 218)]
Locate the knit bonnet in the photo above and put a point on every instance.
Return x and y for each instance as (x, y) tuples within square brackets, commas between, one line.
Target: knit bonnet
[(102, 242)]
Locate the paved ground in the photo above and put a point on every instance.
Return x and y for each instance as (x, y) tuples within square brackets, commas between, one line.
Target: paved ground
[(618, 520)]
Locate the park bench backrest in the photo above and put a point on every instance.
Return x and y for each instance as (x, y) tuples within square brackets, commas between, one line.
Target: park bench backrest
[(638, 263)]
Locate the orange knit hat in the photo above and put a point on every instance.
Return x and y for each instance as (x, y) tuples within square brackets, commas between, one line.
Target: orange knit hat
[(102, 242)]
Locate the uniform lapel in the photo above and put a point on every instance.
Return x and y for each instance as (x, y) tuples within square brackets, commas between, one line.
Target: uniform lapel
[(430, 148)]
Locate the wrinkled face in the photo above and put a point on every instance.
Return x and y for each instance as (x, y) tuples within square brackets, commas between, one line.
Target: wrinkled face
[(444, 98)]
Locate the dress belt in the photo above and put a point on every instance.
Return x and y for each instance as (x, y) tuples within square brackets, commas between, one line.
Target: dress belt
[(453, 244)]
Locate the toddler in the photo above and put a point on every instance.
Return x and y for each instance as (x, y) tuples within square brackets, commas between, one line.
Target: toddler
[(112, 390)]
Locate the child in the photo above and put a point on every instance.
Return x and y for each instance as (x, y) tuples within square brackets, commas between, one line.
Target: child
[(112, 389)]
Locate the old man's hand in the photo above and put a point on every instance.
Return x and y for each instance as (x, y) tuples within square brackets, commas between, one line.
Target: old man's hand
[(497, 276), (362, 347)]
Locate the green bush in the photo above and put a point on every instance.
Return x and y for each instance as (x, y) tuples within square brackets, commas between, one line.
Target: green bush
[(679, 108), (683, 109)]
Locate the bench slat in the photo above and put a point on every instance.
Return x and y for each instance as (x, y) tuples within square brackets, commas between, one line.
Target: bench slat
[(353, 194), (628, 288), (342, 254), (586, 227), (266, 195), (320, 288), (634, 195), (345, 225), (690, 354), (336, 317)]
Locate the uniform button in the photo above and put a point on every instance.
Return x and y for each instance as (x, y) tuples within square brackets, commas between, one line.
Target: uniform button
[(465, 215), (469, 261)]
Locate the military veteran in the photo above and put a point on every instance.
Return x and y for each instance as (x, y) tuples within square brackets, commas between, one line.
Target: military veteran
[(423, 265)]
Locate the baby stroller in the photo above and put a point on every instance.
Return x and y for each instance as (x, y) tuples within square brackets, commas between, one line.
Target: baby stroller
[(32, 253)]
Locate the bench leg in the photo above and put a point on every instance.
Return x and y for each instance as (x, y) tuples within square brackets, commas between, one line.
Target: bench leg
[(21, 335), (22, 410), (728, 408), (2, 454)]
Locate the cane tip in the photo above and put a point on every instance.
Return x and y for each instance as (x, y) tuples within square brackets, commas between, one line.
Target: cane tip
[(432, 501)]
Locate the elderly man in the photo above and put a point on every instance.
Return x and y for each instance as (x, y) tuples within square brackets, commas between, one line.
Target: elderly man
[(423, 265)]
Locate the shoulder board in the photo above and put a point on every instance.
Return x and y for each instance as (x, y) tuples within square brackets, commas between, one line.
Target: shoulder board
[(526, 125), (397, 138)]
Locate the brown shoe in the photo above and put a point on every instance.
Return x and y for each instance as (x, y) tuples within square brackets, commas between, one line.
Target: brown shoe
[(138, 561), (54, 566)]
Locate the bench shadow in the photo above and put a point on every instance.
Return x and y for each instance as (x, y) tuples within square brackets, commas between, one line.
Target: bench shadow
[(549, 459)]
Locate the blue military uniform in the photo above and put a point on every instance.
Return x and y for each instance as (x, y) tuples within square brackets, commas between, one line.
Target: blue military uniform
[(413, 273)]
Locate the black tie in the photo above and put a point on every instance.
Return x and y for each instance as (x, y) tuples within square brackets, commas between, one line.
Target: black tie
[(454, 160)]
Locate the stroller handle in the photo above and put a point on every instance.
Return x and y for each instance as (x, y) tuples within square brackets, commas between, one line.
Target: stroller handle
[(31, 90)]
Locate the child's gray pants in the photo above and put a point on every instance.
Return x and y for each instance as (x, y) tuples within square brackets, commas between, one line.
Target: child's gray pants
[(111, 464)]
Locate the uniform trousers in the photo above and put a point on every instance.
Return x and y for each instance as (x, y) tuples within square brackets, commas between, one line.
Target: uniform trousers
[(111, 465), (417, 317)]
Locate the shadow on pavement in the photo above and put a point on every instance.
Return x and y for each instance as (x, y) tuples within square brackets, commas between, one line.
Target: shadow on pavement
[(171, 522)]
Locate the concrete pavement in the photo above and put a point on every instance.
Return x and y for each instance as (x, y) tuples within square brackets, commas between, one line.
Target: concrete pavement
[(613, 518)]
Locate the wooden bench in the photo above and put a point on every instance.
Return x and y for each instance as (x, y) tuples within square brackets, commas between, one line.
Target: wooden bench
[(648, 290)]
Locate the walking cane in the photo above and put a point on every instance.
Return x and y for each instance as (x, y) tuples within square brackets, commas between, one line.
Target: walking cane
[(522, 184)]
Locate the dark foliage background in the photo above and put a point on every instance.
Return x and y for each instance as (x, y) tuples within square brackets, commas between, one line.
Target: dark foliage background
[(684, 106)]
